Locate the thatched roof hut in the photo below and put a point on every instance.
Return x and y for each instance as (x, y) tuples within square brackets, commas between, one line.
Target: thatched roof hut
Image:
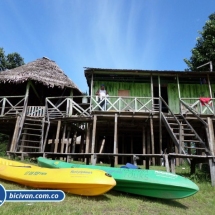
[(42, 70)]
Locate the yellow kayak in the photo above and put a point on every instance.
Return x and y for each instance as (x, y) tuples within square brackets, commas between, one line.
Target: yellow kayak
[(78, 181)]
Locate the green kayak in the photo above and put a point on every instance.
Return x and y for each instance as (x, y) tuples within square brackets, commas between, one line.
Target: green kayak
[(152, 183)]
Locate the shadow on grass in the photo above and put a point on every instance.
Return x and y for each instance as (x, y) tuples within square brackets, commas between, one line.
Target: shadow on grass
[(99, 198), (169, 202)]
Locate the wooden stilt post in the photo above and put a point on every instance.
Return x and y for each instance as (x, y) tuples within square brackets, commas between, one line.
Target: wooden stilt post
[(93, 159), (166, 162), (148, 148), (57, 136), (172, 161), (68, 138), (210, 135), (68, 157), (74, 141), (181, 137), (152, 140), (63, 140), (123, 149), (15, 134), (212, 171), (211, 143), (115, 149), (144, 143), (22, 119), (88, 131), (102, 145), (176, 159), (82, 143)]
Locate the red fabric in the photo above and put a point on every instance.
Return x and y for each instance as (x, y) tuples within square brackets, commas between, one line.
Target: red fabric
[(204, 100)]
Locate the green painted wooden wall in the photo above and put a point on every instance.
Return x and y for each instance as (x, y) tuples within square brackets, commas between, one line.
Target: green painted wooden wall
[(194, 91), (144, 90), (136, 89)]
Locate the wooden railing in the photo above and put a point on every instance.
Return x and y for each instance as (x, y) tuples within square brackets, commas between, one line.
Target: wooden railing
[(11, 105), (196, 106), (60, 107), (35, 111), (119, 104)]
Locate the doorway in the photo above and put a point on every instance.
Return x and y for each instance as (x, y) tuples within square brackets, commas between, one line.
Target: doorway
[(164, 95)]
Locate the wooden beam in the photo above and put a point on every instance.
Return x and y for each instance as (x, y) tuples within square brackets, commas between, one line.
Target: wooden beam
[(88, 137), (63, 139), (15, 133), (172, 162), (22, 119), (148, 148), (115, 148), (166, 162), (144, 142), (74, 141), (102, 146), (152, 140), (210, 135), (160, 121), (152, 91), (82, 143), (68, 137), (177, 159), (179, 91), (212, 171), (181, 139), (93, 138), (57, 136)]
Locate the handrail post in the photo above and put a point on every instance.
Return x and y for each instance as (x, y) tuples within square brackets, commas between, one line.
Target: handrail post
[(3, 106)]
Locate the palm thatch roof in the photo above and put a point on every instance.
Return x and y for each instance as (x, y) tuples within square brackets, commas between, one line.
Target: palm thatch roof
[(41, 70)]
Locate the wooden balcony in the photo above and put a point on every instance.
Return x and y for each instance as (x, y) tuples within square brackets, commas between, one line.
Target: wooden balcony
[(195, 105), (11, 106), (83, 106)]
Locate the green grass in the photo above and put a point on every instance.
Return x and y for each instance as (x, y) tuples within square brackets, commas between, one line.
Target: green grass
[(115, 202)]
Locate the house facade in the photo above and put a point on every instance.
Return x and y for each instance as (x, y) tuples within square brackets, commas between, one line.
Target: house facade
[(147, 114)]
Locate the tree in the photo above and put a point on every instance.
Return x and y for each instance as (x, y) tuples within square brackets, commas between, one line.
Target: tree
[(204, 51), (2, 60), (10, 61)]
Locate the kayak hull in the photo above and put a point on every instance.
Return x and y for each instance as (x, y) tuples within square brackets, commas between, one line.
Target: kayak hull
[(80, 181), (150, 183)]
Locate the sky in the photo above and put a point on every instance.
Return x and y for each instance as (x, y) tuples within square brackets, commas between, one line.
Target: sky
[(113, 34)]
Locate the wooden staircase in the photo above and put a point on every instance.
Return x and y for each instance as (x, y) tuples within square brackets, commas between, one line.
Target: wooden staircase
[(184, 135), (32, 135)]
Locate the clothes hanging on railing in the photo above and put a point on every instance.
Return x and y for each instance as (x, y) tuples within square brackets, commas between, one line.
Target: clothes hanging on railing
[(204, 100)]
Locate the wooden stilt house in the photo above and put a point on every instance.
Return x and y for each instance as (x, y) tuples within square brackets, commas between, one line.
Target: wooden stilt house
[(23, 104), (149, 117), (150, 114)]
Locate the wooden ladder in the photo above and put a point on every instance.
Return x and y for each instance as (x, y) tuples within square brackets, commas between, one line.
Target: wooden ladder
[(31, 139)]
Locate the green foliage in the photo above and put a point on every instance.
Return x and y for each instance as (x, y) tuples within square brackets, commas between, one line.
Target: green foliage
[(2, 60), (204, 51), (10, 61), (14, 60), (3, 144)]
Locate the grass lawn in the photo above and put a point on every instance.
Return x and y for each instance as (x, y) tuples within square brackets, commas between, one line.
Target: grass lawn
[(115, 202)]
